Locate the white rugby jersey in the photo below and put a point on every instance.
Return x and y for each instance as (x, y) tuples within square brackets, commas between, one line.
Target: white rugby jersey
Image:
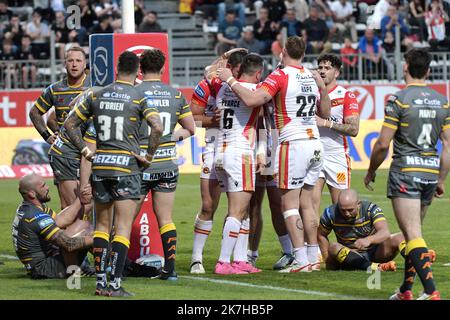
[(237, 120), (203, 96), (296, 98), (343, 104)]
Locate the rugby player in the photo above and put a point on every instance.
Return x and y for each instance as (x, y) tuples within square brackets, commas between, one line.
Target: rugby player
[(362, 233), (203, 106), (298, 93), (415, 118), (64, 157), (343, 121), (117, 111), (162, 176), (234, 161), (46, 242)]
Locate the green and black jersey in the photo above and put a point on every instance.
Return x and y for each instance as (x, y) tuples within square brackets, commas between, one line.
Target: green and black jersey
[(32, 229), (117, 112), (418, 114), (172, 107), (348, 231)]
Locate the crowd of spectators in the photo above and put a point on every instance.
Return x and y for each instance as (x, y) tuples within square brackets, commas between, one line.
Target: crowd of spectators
[(258, 25)]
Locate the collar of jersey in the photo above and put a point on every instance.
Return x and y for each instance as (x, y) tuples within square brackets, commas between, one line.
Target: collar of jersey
[(417, 84), (332, 89), (296, 67), (78, 85), (151, 80), (125, 82)]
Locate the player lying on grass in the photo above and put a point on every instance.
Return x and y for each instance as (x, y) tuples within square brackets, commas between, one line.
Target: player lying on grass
[(363, 237)]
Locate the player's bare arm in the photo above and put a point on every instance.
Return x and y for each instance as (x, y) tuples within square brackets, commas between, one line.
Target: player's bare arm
[(379, 153), (154, 121), (72, 126), (252, 99), (36, 117), (187, 128), (200, 118), (350, 127), (52, 123), (381, 234), (444, 162), (324, 243), (324, 108), (71, 244)]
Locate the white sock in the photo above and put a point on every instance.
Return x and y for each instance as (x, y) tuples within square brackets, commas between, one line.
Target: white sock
[(229, 237), (313, 253), (240, 249), (301, 256), (286, 243), (202, 229)]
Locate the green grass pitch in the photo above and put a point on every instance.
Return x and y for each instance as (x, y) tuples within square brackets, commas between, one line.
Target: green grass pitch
[(265, 285)]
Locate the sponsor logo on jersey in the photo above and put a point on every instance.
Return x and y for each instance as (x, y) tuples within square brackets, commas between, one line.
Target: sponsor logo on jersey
[(418, 161), (112, 159), (199, 91), (158, 93), (426, 101), (45, 222), (341, 178)]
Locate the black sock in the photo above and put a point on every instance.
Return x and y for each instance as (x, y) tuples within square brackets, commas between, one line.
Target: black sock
[(421, 262), (410, 273), (169, 242), (100, 253), (351, 260), (119, 251)]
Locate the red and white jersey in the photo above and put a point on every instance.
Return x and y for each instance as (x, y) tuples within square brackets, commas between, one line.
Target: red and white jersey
[(238, 122), (296, 97), (203, 96), (343, 104), (435, 25)]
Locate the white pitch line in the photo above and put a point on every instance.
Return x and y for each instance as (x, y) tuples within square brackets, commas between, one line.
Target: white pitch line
[(7, 256), (250, 285)]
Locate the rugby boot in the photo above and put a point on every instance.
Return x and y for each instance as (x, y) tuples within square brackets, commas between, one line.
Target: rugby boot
[(121, 292), (407, 295), (285, 260), (434, 296), (197, 268), (245, 266)]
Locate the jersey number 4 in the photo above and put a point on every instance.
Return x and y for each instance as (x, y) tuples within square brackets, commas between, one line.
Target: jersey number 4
[(424, 139), (307, 104)]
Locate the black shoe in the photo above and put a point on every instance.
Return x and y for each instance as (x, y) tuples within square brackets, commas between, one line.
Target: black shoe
[(119, 292), (101, 290), (172, 276)]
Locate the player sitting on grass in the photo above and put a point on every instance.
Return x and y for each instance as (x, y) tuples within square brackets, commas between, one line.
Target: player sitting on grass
[(362, 233)]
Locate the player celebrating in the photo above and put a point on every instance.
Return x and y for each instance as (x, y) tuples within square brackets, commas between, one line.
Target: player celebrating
[(297, 92), (344, 120), (415, 118), (162, 176), (203, 104), (64, 157), (117, 110), (234, 160)]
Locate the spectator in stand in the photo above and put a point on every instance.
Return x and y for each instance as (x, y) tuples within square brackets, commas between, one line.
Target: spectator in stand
[(40, 33), (249, 42), (209, 9), (300, 8), (236, 6), (14, 31), (417, 17), (229, 33), (8, 70), (88, 17), (370, 46), (276, 9), (150, 23), (293, 26), (435, 19), (388, 54), (277, 46), (5, 15), (104, 25), (349, 56), (343, 19), (316, 33), (103, 7), (139, 12), (61, 33), (325, 14), (116, 25), (389, 23), (28, 67), (265, 30)]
